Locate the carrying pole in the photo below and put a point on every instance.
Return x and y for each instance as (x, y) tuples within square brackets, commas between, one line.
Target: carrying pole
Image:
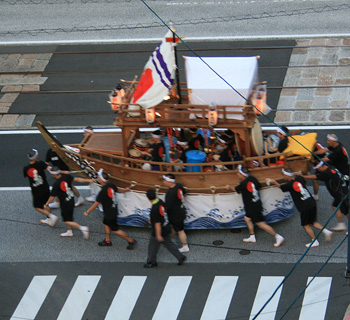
[(177, 74)]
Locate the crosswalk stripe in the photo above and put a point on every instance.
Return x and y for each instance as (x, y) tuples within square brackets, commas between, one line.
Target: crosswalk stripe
[(316, 298), (33, 298), (125, 299), (79, 298), (219, 298), (266, 288), (172, 298)]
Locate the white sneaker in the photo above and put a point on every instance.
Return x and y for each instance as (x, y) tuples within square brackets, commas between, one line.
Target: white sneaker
[(68, 233), (314, 245), (328, 234), (339, 227), (279, 240), (54, 205), (184, 249), (79, 202), (53, 219), (315, 196), (85, 231), (91, 198), (251, 239), (45, 221)]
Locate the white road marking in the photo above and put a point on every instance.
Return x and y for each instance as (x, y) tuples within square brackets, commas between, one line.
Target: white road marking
[(316, 299), (266, 288), (219, 298), (172, 298), (125, 299), (79, 298), (33, 298)]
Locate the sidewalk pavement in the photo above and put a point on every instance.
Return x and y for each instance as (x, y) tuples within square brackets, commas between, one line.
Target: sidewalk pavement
[(316, 88)]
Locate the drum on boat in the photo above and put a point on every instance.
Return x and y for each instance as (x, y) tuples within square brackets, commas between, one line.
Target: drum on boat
[(141, 144), (256, 141), (135, 154)]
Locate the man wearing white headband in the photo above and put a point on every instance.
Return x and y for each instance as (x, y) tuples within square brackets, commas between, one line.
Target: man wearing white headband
[(106, 197), (305, 203), (337, 155), (62, 188), (176, 209), (282, 133), (157, 149), (249, 188), (338, 190), (35, 172)]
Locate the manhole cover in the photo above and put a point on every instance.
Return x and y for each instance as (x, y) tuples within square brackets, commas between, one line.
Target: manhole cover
[(236, 230), (244, 252), (218, 242)]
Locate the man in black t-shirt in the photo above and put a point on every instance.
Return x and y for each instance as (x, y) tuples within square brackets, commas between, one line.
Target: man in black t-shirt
[(305, 203), (197, 141), (35, 172), (53, 158), (161, 231), (175, 208), (156, 150), (106, 197), (249, 188), (62, 188), (338, 190)]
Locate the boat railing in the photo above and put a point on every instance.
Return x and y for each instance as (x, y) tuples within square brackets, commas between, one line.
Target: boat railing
[(215, 166)]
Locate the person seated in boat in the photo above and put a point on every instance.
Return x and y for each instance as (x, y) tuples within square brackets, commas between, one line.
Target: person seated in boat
[(116, 97), (225, 154), (232, 145), (182, 147), (197, 141), (282, 134), (170, 141), (157, 149)]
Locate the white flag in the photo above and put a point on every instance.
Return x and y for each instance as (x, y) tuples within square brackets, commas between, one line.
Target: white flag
[(158, 75)]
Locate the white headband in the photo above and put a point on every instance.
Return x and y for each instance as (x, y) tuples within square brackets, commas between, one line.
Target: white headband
[(333, 138), (88, 130), (319, 165), (155, 136), (55, 172), (241, 172), (36, 153), (99, 173), (168, 179), (286, 173), (182, 143), (281, 131)]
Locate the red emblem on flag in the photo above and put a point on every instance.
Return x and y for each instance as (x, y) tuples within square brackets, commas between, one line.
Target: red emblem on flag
[(145, 83)]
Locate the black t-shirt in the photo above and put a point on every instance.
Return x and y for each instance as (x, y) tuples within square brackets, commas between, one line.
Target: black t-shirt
[(158, 215), (107, 198), (339, 158), (196, 142), (37, 177), (249, 188), (158, 151), (174, 203), (332, 180), (52, 157), (62, 188), (283, 145), (300, 194)]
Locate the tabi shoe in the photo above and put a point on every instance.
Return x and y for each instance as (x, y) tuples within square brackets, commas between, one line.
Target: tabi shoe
[(340, 227), (79, 202), (54, 205), (53, 220), (314, 245), (279, 240), (182, 261), (45, 221), (85, 231), (328, 234), (68, 233), (131, 245), (150, 265), (91, 198), (251, 239), (104, 243), (184, 249)]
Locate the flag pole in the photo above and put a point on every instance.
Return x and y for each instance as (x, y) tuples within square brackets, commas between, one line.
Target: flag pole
[(178, 89)]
